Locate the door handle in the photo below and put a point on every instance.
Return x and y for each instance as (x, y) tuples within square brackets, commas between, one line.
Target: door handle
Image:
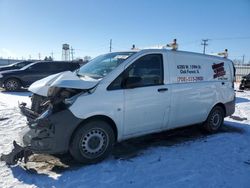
[(162, 89), (222, 83)]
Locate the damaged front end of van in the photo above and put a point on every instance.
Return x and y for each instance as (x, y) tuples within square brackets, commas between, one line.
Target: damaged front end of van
[(49, 120)]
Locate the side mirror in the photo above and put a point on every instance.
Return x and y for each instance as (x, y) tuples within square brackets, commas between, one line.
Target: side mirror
[(132, 82)]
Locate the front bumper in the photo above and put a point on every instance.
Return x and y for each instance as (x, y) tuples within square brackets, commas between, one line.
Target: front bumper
[(50, 134), (17, 153)]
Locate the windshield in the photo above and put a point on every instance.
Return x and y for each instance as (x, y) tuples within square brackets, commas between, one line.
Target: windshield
[(26, 66), (103, 64)]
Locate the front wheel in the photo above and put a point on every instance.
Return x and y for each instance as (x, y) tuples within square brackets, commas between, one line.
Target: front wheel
[(92, 142), (214, 120), (12, 84)]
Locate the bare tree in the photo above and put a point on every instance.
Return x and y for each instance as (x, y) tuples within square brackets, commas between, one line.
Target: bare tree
[(86, 58)]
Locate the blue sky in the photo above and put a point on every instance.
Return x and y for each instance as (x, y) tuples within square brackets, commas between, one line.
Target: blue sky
[(29, 27)]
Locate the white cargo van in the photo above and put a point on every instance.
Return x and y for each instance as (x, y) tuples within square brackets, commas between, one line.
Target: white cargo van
[(121, 95)]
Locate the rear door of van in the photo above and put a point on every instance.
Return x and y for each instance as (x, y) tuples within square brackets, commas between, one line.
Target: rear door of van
[(223, 76)]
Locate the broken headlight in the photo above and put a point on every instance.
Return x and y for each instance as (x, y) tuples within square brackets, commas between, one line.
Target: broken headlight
[(71, 100), (52, 91)]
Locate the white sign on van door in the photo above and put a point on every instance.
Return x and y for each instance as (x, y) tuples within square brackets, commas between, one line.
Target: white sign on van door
[(189, 73)]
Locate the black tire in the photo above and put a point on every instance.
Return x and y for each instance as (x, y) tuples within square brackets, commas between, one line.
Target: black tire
[(12, 84), (92, 142), (214, 120), (241, 87)]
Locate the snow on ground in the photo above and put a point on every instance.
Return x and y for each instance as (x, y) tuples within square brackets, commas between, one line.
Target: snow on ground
[(182, 158), (11, 99)]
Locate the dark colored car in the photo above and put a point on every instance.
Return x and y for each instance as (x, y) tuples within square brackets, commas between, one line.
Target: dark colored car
[(245, 82), (13, 80), (13, 66)]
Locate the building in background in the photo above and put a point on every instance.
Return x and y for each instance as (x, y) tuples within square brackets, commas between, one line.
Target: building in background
[(8, 61)]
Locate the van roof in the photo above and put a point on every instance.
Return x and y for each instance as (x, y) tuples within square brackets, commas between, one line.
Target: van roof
[(180, 52), (157, 50)]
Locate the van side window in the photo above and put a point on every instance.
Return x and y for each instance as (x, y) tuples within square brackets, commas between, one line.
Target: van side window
[(146, 71)]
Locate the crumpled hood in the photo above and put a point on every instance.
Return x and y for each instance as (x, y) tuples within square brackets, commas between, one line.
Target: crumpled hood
[(65, 79)]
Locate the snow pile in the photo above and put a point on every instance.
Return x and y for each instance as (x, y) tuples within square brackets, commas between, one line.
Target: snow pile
[(180, 158)]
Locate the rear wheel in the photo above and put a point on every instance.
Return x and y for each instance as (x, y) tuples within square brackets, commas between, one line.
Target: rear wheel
[(215, 119), (92, 142), (12, 84)]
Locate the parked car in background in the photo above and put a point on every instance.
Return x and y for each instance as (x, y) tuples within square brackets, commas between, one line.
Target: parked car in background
[(13, 80), (245, 82), (18, 65)]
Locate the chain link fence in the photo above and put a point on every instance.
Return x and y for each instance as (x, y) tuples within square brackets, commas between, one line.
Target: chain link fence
[(241, 70)]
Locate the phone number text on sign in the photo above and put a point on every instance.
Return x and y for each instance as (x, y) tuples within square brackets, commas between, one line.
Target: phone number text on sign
[(190, 78)]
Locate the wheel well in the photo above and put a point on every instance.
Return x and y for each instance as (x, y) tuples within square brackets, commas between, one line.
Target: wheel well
[(99, 117), (223, 107)]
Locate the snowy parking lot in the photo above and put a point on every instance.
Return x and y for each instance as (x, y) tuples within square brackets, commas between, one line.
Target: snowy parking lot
[(180, 158)]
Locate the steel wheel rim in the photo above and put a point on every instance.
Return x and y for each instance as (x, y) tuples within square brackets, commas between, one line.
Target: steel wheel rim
[(216, 119), (94, 143), (11, 84)]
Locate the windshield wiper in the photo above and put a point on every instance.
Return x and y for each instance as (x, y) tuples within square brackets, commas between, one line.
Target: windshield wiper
[(95, 76)]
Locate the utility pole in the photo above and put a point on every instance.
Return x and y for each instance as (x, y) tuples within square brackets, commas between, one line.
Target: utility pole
[(243, 59), (52, 55), (204, 43), (39, 56), (110, 45), (72, 53)]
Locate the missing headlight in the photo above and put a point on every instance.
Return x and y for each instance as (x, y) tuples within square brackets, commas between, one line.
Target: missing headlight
[(71, 100)]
